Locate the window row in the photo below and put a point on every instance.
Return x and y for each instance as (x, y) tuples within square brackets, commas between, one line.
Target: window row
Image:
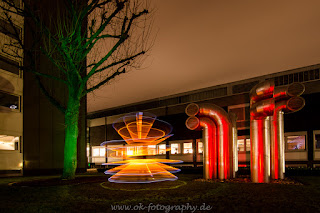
[(175, 148), (295, 141), (184, 148)]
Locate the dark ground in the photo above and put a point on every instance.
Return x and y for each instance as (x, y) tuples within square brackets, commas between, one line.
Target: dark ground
[(93, 193)]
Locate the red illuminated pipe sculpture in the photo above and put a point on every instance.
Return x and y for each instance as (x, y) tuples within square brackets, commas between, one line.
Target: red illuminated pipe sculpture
[(286, 100), (223, 134), (261, 106), (268, 103), (260, 151), (277, 134), (260, 140), (209, 138)]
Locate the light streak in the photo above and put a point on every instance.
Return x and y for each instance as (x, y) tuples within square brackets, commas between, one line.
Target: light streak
[(140, 131)]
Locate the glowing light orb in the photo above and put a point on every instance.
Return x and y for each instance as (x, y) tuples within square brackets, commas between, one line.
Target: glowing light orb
[(141, 131)]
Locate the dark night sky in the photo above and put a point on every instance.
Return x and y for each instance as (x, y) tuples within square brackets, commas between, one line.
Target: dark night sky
[(210, 42)]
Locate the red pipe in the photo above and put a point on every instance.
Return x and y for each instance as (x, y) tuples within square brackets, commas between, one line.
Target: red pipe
[(223, 126), (265, 101), (262, 91), (285, 92), (209, 140), (261, 106), (262, 109), (277, 139)]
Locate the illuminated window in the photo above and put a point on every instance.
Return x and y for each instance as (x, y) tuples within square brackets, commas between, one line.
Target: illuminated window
[(9, 142), (95, 152), (316, 135), (187, 148), (162, 149), (200, 147), (175, 148), (248, 145), (152, 149), (296, 142), (9, 101), (102, 152), (241, 145), (98, 152)]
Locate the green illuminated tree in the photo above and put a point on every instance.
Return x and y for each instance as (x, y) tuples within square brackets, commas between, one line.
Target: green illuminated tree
[(88, 42)]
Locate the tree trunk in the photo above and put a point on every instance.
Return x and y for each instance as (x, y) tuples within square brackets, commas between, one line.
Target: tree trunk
[(71, 136)]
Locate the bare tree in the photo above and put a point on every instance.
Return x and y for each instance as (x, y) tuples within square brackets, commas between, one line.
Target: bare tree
[(72, 40)]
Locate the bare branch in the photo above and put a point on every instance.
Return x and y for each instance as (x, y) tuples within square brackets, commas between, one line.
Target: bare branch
[(133, 17), (70, 62), (95, 4), (123, 38), (93, 70), (51, 99), (53, 60), (44, 29), (108, 36), (118, 72), (97, 39), (49, 76), (120, 6), (119, 62)]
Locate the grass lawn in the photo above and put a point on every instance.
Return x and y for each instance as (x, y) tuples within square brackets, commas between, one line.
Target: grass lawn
[(93, 193)]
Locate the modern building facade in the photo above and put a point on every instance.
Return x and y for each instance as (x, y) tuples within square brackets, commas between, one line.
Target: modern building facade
[(302, 128), (11, 96), (31, 128)]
